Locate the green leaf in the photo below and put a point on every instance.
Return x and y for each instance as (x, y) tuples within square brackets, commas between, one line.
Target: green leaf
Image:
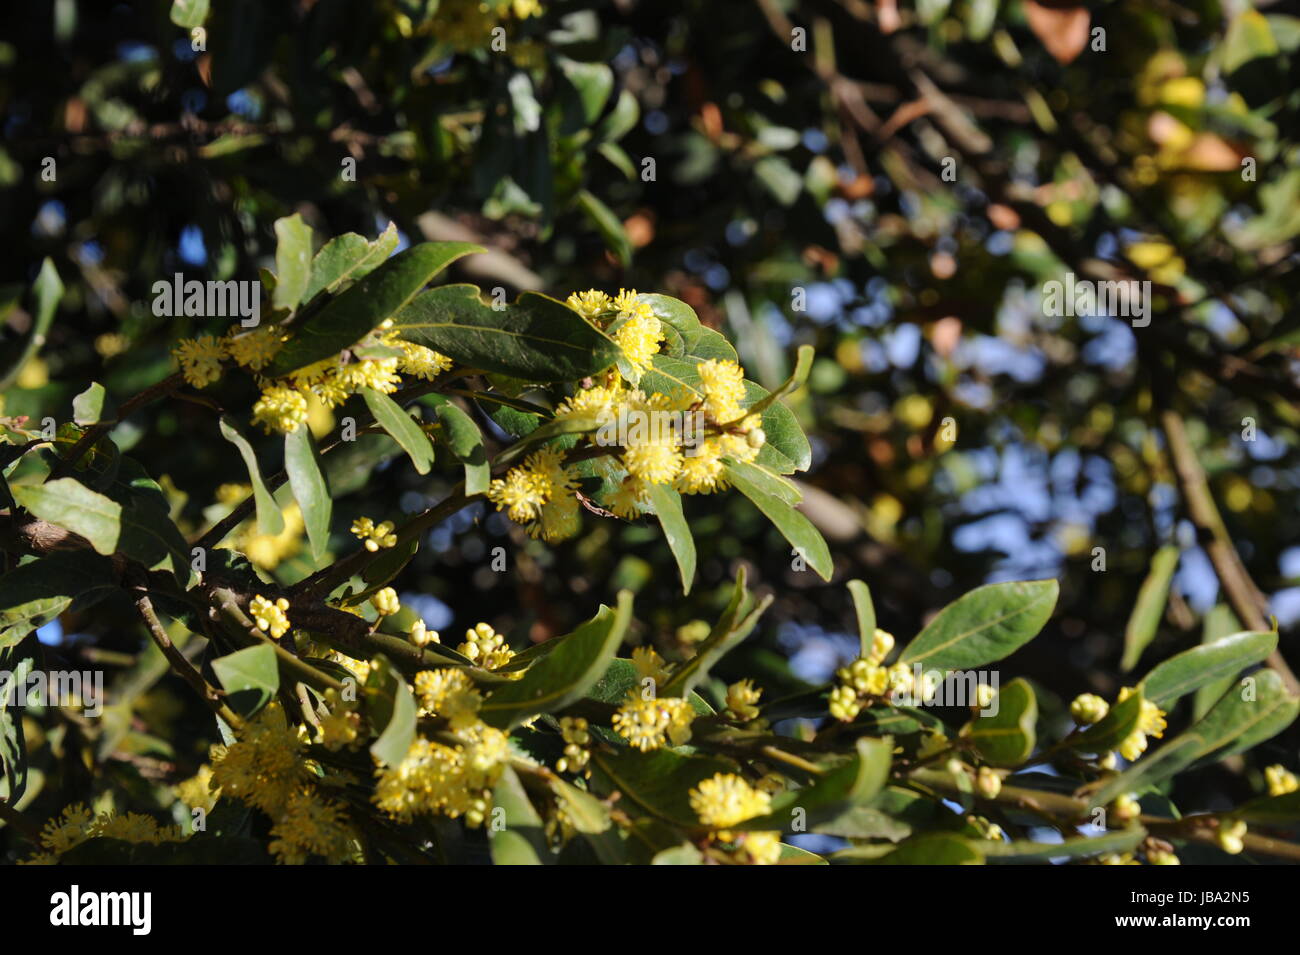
[(189, 13), (391, 709), (586, 813), (1232, 726), (866, 611), (660, 781), (621, 677), (309, 489), (676, 314), (47, 291), (400, 426), (1220, 621), (565, 674), (936, 848), (608, 225), (726, 636), (1110, 732), (523, 840), (269, 518), (685, 854), (292, 261), (88, 407), (536, 339), (250, 676), (1208, 663), (761, 477), (362, 307), (593, 82), (464, 440), (831, 796), (983, 626), (713, 344), (668, 508), (1150, 606), (1007, 737), (75, 507), (346, 259), (1124, 840), (793, 855), (794, 527), (1282, 811)]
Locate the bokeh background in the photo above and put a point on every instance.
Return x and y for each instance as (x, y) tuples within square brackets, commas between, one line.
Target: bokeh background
[(890, 182)]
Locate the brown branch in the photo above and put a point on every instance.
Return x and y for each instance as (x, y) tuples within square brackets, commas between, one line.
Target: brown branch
[(1245, 598)]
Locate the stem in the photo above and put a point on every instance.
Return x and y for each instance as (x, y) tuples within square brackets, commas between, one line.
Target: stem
[(1194, 828), (1245, 598), (209, 694)]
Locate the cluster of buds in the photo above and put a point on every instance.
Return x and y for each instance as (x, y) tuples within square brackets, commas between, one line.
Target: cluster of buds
[(577, 739), (374, 535), (271, 617)]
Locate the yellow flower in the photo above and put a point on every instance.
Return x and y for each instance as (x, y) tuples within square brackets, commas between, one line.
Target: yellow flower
[(518, 494), (648, 724), (265, 766), (701, 471), (590, 304), (639, 336), (844, 705), (310, 826), (200, 359), (375, 535), (385, 601), (577, 738), (630, 499), (448, 692), (486, 647), (648, 663), (1231, 836), (422, 636), (654, 463), (340, 725), (559, 519), (422, 362), (725, 800), (882, 643), (742, 699), (196, 792), (280, 409), (379, 374), (762, 848), (723, 384), (1280, 781), (255, 349), (1089, 708), (269, 616)]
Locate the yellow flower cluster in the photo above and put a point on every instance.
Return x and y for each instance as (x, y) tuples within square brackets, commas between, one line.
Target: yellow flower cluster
[(648, 724), (265, 768), (339, 726), (868, 677), (77, 824), (487, 648), (385, 601), (577, 739), (375, 535), (1088, 708), (453, 779), (742, 700), (1151, 723), (725, 800), (283, 405), (449, 693), (540, 494), (1280, 781), (270, 616), (649, 665)]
